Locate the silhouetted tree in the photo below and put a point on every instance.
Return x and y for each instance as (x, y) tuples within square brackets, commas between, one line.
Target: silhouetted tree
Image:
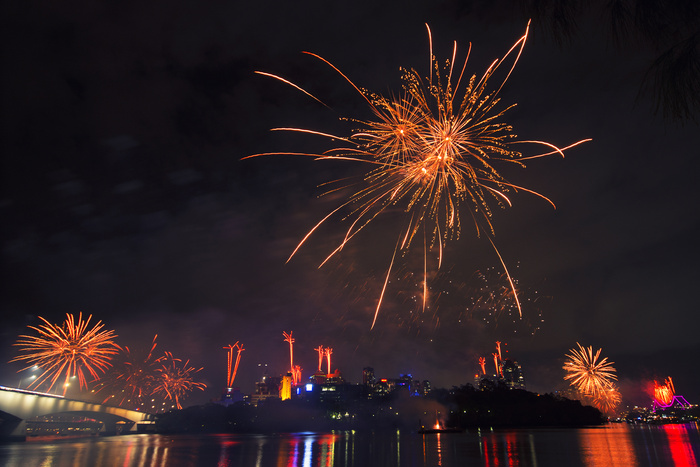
[(670, 27)]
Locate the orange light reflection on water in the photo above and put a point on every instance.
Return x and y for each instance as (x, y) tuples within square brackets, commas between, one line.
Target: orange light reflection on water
[(615, 449)]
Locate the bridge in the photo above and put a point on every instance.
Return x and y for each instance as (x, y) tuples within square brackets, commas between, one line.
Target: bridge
[(19, 405)]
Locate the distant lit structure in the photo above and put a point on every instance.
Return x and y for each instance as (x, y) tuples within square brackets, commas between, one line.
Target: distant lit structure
[(507, 371), (414, 387), (230, 396), (267, 388), (512, 374), (368, 378), (405, 382), (286, 387)]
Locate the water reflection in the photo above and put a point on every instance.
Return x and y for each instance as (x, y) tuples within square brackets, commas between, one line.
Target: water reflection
[(680, 445), (613, 445), (509, 448), (614, 448)]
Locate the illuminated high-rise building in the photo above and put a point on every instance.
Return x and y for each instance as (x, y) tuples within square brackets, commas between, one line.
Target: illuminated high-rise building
[(513, 374), (426, 387), (368, 378), (267, 388)]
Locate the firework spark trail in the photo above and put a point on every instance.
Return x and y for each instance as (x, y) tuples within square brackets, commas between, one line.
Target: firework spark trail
[(429, 152), (482, 364), (328, 351), (288, 338), (67, 349), (232, 368), (175, 379), (229, 362), (588, 373), (320, 351)]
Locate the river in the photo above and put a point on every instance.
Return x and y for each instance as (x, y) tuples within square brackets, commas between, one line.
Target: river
[(611, 445)]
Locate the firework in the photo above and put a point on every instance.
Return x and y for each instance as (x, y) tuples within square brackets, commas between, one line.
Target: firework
[(288, 338), (663, 393), (67, 350), (430, 150), (588, 373), (296, 374), (174, 379), (482, 364), (232, 368), (491, 298), (130, 380), (608, 400), (321, 352), (328, 351)]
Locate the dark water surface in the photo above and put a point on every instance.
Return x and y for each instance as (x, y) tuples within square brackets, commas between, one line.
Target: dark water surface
[(611, 445)]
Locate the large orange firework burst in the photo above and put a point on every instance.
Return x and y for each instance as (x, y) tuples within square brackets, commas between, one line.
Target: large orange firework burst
[(67, 350), (592, 377), (431, 150), (174, 379)]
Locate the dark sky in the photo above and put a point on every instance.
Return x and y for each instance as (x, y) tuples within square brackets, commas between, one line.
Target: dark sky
[(124, 195)]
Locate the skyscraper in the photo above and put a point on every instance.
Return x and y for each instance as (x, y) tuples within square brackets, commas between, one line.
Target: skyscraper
[(368, 378)]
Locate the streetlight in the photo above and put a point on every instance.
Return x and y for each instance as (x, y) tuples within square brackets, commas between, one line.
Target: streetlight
[(30, 378)]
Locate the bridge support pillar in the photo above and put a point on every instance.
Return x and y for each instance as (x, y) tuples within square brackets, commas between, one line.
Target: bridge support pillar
[(13, 430), (117, 428)]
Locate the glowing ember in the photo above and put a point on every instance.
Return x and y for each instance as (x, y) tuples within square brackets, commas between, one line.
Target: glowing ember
[(67, 350), (429, 152)]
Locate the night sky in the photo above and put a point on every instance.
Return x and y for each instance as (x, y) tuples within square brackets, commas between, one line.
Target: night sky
[(124, 194)]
